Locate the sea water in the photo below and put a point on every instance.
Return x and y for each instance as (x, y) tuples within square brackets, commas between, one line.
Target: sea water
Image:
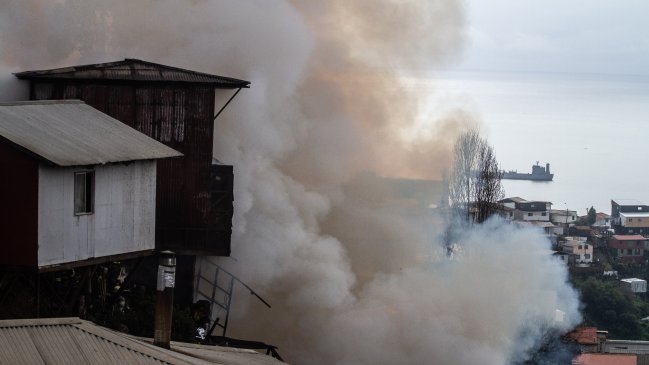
[(592, 129)]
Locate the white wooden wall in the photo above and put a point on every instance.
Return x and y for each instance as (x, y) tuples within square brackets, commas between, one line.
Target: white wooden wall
[(123, 219)]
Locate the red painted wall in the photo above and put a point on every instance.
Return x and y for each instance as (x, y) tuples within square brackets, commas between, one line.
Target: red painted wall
[(18, 207)]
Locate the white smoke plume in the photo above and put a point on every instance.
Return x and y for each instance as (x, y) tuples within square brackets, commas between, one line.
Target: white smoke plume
[(355, 275)]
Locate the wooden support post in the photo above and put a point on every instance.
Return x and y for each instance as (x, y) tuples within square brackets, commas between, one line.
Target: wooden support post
[(164, 299)]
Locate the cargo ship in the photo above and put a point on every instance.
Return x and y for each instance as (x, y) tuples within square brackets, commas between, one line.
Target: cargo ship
[(539, 173)]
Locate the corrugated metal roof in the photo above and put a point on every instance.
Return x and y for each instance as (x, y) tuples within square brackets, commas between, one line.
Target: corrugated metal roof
[(132, 69), (584, 335), (625, 201), (626, 347), (628, 237), (74, 341), (71, 133), (563, 211), (514, 199), (605, 359), (634, 215)]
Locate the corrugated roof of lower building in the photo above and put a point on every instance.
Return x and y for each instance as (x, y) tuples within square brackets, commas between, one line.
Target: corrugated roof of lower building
[(72, 133), (68, 341)]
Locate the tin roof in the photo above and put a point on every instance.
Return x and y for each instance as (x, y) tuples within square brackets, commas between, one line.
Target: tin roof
[(75, 341), (628, 237), (131, 69), (72, 133), (625, 201), (583, 335), (605, 359), (514, 199), (634, 215), (563, 211)]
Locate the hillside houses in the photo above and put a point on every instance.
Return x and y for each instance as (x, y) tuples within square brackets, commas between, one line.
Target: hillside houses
[(628, 248)]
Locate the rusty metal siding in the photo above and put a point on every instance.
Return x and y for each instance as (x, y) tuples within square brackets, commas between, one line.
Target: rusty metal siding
[(180, 116), (19, 208)]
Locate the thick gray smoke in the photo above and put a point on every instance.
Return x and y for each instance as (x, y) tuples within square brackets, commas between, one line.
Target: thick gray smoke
[(354, 273)]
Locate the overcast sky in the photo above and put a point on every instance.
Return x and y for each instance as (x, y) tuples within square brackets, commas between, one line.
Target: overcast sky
[(587, 36)]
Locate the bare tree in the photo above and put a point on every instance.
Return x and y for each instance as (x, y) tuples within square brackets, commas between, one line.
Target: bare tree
[(475, 181)]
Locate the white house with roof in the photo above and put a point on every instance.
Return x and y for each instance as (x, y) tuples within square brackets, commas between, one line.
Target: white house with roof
[(527, 211), (602, 220), (634, 222), (76, 185), (579, 249), (563, 216)]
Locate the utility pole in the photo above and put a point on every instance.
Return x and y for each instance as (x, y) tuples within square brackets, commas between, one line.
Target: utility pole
[(164, 299)]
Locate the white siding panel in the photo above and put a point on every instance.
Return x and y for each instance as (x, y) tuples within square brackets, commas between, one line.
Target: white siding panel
[(123, 219)]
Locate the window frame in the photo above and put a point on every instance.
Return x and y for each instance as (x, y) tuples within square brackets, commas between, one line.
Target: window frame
[(87, 206)]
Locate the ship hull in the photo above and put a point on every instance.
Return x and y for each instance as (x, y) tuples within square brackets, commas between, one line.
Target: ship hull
[(533, 177)]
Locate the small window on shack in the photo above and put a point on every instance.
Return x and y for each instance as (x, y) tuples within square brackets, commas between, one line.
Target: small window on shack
[(83, 192)]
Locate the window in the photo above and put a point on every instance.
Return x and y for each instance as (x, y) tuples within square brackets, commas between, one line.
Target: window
[(587, 256), (629, 252), (630, 220), (580, 247), (529, 214), (544, 213), (83, 192)]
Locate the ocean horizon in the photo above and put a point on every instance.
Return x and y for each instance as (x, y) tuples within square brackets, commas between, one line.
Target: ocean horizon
[(591, 128)]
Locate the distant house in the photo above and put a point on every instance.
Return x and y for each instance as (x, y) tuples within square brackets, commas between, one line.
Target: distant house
[(635, 285), (580, 250), (628, 248), (586, 337), (564, 257), (629, 216), (563, 216), (528, 210), (602, 220), (76, 185)]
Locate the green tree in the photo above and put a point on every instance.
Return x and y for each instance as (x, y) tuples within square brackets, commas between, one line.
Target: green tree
[(592, 216)]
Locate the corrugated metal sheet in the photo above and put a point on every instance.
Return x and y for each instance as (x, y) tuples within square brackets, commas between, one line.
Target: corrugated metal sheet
[(626, 347), (71, 133), (605, 359), (68, 341), (135, 70)]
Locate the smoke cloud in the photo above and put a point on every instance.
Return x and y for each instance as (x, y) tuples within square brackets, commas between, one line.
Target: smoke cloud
[(353, 270)]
